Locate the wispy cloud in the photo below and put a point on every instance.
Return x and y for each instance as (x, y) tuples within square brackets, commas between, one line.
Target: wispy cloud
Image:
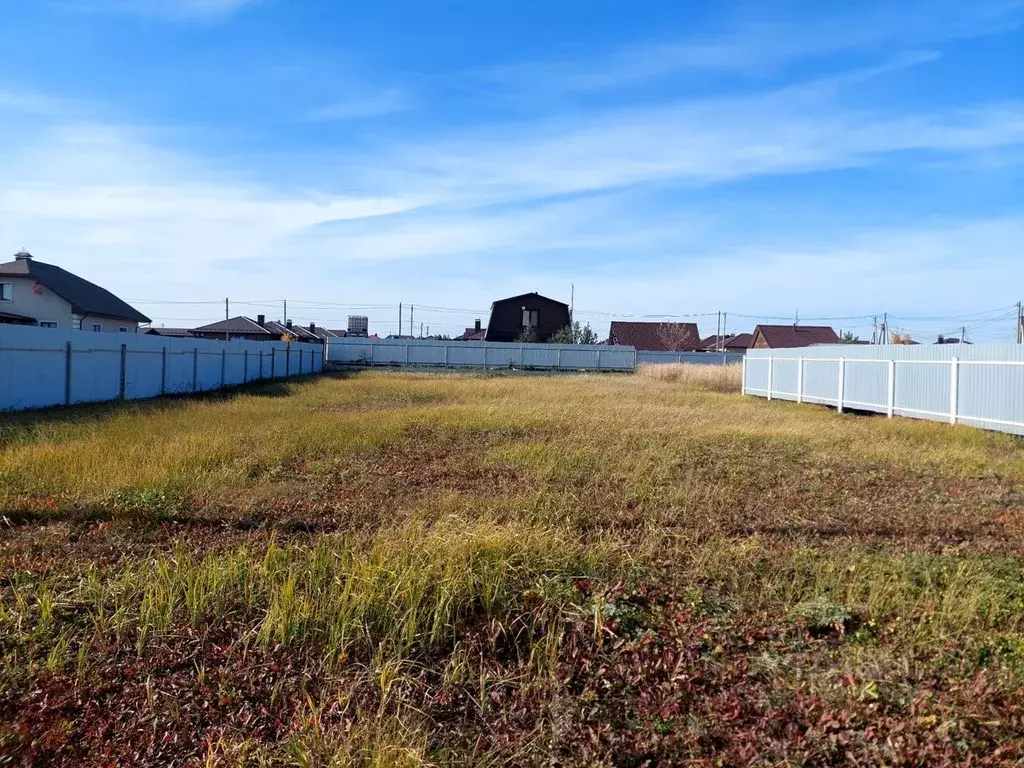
[(384, 102), (762, 48)]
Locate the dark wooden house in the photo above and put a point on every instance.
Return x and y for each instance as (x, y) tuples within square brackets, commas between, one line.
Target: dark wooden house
[(512, 316)]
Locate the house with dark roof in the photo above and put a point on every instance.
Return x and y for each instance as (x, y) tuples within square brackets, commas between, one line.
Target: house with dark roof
[(512, 317), (260, 329), (35, 293), (735, 342), (792, 336), (174, 333), (656, 337), (476, 333)]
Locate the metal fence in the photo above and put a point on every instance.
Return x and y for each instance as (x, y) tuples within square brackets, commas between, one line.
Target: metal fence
[(981, 385), (41, 367), (698, 358), (480, 354)]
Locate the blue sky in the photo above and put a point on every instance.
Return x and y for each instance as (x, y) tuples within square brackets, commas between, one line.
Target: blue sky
[(667, 158)]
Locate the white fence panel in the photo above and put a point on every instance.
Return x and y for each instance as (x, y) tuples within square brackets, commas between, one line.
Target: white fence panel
[(42, 367), (479, 354), (699, 358), (979, 385)]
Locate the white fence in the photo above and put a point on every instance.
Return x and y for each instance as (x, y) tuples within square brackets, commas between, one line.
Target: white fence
[(41, 367), (981, 386), (480, 354), (697, 358)]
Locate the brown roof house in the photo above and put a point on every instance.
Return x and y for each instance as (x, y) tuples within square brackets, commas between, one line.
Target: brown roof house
[(476, 333), (656, 337), (734, 342), (791, 336)]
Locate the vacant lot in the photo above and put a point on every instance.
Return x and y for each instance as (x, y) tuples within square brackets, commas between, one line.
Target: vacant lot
[(395, 569)]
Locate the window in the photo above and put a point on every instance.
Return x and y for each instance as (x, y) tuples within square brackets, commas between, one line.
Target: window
[(122, 329), (97, 327), (48, 324), (6, 291), (531, 318)]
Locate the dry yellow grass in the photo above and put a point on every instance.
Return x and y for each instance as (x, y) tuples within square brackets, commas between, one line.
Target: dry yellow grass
[(417, 549), (709, 378)]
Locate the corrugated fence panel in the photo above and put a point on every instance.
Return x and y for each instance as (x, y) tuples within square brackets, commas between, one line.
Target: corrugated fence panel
[(699, 358), (477, 354), (38, 369), (977, 385)]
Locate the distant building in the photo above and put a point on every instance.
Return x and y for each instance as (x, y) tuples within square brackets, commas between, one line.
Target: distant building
[(177, 333), (476, 333), (951, 340), (791, 336), (656, 337), (736, 342), (34, 293), (260, 329), (358, 325), (511, 317)]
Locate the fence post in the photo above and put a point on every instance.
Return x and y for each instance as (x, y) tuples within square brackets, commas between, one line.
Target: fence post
[(245, 365), (67, 373), (842, 384), (558, 358), (446, 348), (273, 362), (800, 380), (223, 366), (121, 382), (163, 370), (743, 376), (300, 361), (261, 363), (891, 408), (406, 354), (954, 388), (636, 359), (195, 369), (771, 372), (288, 359)]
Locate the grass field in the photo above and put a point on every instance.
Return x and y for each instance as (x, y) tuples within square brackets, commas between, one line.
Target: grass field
[(407, 569)]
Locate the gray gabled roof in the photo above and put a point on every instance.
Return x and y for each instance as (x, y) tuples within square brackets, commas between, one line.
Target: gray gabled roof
[(240, 324), (84, 297)]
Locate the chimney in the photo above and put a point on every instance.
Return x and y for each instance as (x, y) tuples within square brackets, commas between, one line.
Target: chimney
[(941, 340), (312, 327), (261, 320), (23, 255), (288, 324), (477, 325)]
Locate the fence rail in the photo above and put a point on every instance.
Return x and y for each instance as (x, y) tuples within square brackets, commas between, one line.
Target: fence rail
[(41, 367), (697, 358), (980, 386), (479, 354)]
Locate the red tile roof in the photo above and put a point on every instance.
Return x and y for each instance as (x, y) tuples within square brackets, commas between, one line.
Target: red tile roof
[(789, 336), (472, 334), (735, 341), (656, 337)]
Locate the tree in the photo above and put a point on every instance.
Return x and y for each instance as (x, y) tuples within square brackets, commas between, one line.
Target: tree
[(676, 337), (849, 338), (900, 337), (527, 336), (574, 334)]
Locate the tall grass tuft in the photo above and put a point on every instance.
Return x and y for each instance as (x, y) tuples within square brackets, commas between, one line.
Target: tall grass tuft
[(694, 376)]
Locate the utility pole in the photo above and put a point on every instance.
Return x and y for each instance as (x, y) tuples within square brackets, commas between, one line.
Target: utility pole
[(572, 303), (963, 333), (1020, 323), (725, 330), (885, 328), (874, 329), (284, 320), (718, 332), (421, 329), (399, 319), (227, 309), (412, 328)]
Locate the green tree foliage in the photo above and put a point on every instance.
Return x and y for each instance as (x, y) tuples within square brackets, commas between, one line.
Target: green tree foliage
[(574, 334), (528, 336), (849, 338)]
